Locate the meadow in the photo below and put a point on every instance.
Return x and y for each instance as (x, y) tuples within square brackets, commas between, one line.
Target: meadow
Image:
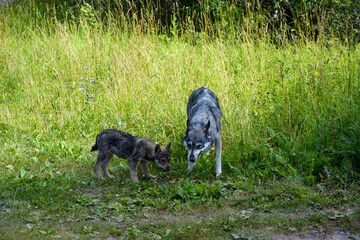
[(291, 131)]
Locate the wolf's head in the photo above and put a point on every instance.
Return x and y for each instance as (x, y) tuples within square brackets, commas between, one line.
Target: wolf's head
[(197, 140), (162, 157)]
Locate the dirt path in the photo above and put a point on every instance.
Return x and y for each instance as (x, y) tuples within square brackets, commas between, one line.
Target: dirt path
[(316, 235), (335, 230)]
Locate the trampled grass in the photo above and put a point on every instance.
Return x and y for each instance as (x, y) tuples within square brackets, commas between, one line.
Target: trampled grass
[(291, 112)]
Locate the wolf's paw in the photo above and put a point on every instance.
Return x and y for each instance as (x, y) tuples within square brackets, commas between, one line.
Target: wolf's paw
[(218, 174)]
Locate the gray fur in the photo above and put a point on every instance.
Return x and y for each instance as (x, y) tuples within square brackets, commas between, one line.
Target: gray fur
[(125, 145), (203, 126)]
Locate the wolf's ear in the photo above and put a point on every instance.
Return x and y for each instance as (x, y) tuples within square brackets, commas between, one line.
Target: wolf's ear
[(206, 129), (189, 127), (157, 148), (168, 146)]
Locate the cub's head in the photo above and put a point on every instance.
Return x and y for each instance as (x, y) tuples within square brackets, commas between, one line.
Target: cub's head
[(162, 157)]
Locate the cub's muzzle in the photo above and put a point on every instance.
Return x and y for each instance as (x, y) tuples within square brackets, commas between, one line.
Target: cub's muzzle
[(166, 168)]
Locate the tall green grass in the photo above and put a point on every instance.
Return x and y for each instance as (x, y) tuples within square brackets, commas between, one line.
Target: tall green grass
[(291, 107)]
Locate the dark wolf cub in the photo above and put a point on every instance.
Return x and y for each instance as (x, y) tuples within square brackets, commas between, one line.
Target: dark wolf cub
[(125, 145)]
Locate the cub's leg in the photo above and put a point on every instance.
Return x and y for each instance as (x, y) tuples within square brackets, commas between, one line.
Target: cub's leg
[(146, 170), (105, 164)]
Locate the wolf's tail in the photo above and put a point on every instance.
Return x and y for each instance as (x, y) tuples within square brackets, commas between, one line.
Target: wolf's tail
[(94, 148)]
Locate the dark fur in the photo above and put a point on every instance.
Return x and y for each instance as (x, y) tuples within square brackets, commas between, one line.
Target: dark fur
[(125, 145)]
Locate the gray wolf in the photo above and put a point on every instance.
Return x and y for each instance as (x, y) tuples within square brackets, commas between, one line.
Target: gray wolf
[(125, 145), (203, 126)]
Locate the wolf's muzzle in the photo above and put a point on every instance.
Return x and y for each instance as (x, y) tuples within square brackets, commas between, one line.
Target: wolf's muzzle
[(192, 157)]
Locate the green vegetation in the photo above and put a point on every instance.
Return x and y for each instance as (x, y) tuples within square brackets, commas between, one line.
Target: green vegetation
[(291, 133)]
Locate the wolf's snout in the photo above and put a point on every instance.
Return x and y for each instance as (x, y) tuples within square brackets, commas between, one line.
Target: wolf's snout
[(192, 157)]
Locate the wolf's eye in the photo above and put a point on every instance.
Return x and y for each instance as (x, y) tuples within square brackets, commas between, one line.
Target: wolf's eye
[(199, 146), (189, 145)]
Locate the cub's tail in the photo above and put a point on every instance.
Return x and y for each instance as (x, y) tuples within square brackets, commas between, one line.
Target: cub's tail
[(94, 148)]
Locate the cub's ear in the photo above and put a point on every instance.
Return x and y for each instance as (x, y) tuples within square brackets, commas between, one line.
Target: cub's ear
[(157, 148), (188, 126), (168, 146)]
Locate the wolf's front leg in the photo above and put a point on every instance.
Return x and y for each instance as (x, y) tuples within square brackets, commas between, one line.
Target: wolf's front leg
[(218, 155), (146, 170), (133, 170)]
